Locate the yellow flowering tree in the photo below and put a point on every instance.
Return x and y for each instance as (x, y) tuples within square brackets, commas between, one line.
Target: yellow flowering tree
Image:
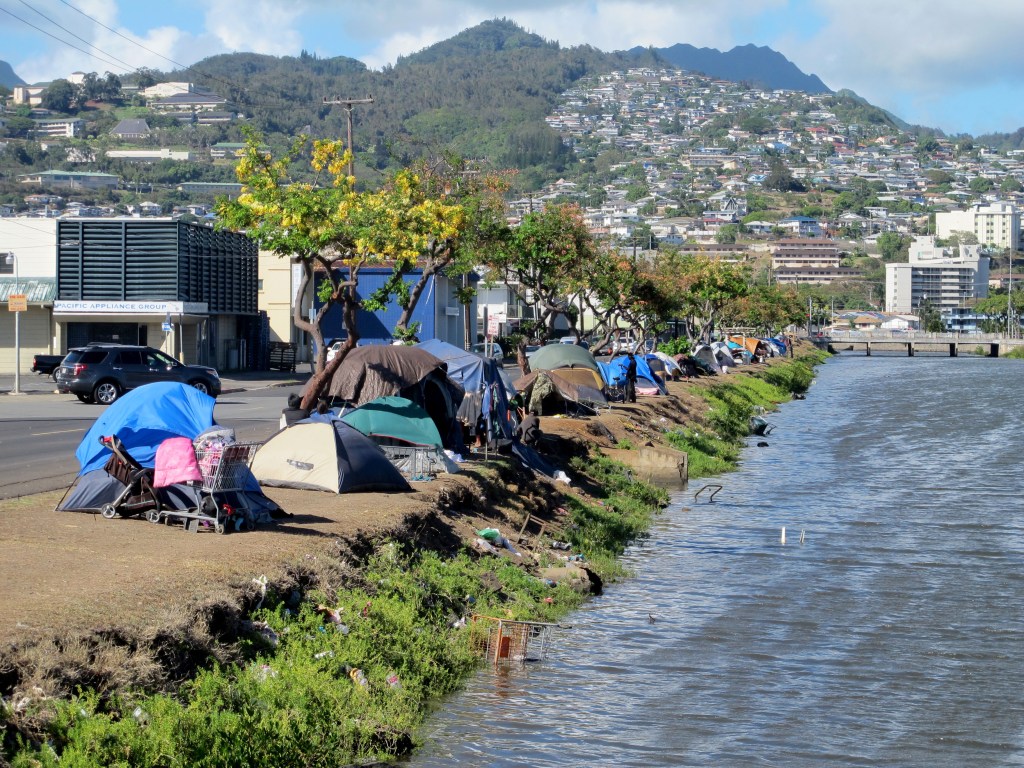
[(453, 214), (328, 228)]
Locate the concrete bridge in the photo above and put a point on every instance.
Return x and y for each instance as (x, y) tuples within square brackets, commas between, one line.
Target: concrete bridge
[(990, 344)]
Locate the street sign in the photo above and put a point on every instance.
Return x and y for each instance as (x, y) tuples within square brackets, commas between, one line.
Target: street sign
[(165, 327), (17, 302)]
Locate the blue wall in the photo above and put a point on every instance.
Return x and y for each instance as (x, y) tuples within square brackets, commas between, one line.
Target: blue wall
[(376, 327)]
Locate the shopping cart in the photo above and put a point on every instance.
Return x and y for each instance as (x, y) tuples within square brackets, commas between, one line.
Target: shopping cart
[(503, 642), (224, 468)]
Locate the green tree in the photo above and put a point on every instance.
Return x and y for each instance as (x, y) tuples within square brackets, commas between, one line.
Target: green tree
[(893, 246), (60, 96), (318, 224), (930, 317), (727, 234), (1010, 184), (979, 185), (757, 124), (780, 178), (766, 308), (704, 286), (545, 259)]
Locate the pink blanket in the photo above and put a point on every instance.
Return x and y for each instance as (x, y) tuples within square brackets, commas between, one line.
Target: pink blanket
[(175, 463)]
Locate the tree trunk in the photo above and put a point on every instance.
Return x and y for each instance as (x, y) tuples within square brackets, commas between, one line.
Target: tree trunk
[(521, 358), (414, 296)]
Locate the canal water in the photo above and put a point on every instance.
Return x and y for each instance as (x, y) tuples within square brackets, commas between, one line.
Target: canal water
[(893, 636)]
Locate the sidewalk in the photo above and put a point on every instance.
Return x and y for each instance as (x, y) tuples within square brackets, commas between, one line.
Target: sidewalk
[(234, 381)]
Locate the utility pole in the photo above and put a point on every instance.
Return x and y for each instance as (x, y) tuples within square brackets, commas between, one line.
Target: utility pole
[(348, 104)]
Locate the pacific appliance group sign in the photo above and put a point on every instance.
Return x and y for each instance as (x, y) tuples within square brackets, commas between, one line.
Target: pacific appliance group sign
[(162, 308)]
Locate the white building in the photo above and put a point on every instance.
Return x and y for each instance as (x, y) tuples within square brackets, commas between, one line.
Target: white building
[(163, 90), (947, 278), (33, 272), (995, 224)]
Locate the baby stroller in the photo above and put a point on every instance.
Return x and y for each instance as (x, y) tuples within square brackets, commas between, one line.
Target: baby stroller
[(138, 495)]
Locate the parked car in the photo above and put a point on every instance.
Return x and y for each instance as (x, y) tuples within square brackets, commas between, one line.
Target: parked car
[(491, 350), (101, 373), (572, 340), (46, 364), (333, 349)]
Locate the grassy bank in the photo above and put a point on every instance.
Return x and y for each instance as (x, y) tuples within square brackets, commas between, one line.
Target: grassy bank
[(341, 664), (345, 671)]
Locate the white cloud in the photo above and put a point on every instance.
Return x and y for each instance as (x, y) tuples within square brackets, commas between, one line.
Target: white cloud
[(259, 26), (913, 55)]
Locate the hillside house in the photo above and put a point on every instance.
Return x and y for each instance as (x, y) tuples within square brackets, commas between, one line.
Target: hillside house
[(133, 129)]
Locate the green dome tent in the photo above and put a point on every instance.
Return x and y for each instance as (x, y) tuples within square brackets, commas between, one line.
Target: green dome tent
[(394, 418)]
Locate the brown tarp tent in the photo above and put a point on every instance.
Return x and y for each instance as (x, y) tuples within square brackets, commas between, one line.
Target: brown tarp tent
[(549, 391), (380, 370)]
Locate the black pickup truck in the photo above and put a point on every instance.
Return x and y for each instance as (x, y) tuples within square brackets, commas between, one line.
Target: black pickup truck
[(46, 364)]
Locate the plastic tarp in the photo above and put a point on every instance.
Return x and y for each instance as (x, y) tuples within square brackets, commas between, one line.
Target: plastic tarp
[(707, 357), (546, 387), (328, 456), (486, 387), (647, 382), (671, 366), (395, 418), (142, 419), (145, 417), (370, 372)]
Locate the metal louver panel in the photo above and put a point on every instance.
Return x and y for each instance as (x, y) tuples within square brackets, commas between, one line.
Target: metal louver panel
[(140, 260)]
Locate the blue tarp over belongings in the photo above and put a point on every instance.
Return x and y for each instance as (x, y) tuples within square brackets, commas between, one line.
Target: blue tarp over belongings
[(487, 390), (145, 417), (645, 378), (142, 419)]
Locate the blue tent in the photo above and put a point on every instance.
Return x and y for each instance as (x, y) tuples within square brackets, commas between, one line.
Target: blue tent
[(145, 417), (614, 373), (486, 389), (142, 419)]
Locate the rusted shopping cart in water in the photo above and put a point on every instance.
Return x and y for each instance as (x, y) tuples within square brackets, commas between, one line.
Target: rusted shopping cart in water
[(505, 642)]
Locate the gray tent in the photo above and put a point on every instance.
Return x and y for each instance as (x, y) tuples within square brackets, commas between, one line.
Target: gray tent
[(326, 455)]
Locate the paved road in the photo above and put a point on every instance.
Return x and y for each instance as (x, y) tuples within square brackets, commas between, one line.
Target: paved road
[(40, 431)]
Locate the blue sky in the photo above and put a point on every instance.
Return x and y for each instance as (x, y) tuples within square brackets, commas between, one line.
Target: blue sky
[(941, 63)]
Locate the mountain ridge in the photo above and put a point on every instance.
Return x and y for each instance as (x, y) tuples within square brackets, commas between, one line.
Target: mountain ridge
[(8, 77), (743, 63)]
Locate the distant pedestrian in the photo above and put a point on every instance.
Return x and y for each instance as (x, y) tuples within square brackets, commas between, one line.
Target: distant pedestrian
[(529, 431), (630, 378), (294, 412)]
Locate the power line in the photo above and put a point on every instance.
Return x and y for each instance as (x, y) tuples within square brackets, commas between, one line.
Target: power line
[(59, 40), (240, 89), (120, 61)]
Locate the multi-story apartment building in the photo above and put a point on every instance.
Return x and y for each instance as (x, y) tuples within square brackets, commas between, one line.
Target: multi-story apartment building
[(809, 261), (948, 278), (995, 224)]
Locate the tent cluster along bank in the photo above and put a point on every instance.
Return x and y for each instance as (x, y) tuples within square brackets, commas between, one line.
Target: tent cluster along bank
[(403, 412)]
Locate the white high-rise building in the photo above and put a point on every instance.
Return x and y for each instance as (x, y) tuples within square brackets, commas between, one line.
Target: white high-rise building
[(996, 225), (947, 277)]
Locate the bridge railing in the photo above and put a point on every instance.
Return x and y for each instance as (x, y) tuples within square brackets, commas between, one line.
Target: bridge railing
[(924, 336)]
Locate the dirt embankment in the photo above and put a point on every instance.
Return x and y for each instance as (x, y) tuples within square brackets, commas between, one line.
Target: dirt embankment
[(112, 603)]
